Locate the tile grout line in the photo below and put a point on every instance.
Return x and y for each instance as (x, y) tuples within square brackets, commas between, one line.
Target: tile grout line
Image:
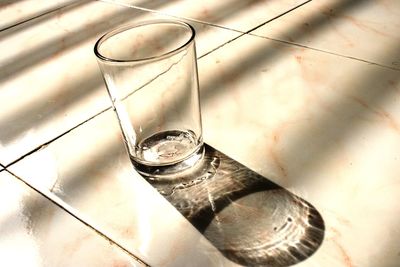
[(313, 48), (252, 29), (55, 138), (201, 21), (278, 16), (49, 11), (169, 15), (325, 51), (73, 212), (222, 45)]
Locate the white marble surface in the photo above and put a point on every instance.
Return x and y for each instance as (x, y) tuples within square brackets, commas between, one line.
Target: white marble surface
[(52, 76), (324, 125), (367, 30), (35, 232), (239, 15)]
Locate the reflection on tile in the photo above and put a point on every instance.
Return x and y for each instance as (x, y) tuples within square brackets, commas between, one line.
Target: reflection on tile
[(35, 232), (98, 180), (240, 15), (49, 80), (324, 126), (358, 28), (16, 11)]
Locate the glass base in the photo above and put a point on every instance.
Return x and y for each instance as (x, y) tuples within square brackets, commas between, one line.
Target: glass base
[(168, 171)]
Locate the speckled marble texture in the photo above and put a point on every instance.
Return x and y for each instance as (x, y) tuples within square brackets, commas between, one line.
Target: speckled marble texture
[(13, 12), (310, 100)]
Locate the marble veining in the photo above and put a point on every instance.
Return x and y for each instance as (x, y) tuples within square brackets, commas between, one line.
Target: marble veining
[(363, 29)]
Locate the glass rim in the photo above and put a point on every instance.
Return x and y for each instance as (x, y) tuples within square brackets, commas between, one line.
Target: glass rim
[(132, 25)]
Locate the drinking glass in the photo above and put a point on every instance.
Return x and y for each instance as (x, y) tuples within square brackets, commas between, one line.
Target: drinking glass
[(150, 72)]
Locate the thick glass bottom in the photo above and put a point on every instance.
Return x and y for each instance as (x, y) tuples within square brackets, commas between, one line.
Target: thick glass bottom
[(167, 170)]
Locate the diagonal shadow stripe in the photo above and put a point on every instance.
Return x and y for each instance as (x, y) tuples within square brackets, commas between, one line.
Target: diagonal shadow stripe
[(35, 18), (9, 2), (215, 15), (14, 125), (40, 13), (13, 66)]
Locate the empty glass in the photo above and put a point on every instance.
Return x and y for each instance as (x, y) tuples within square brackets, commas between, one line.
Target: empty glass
[(150, 70)]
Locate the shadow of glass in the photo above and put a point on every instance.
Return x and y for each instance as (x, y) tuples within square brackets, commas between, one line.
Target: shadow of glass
[(251, 220)]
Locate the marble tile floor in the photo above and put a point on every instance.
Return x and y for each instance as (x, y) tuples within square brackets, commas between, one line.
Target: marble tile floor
[(306, 93)]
